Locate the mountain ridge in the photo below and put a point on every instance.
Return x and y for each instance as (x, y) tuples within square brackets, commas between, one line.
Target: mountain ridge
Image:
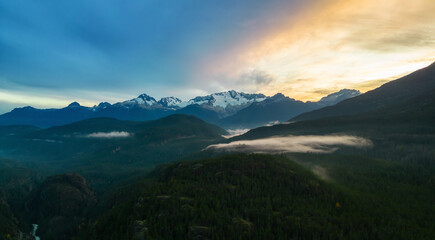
[(395, 91), (211, 108)]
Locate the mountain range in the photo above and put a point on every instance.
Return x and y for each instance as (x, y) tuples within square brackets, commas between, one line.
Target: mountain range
[(229, 109)]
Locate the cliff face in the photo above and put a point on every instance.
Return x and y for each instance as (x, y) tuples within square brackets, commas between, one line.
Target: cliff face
[(60, 204)]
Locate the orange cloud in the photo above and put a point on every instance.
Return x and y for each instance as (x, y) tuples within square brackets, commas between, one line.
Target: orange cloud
[(335, 44)]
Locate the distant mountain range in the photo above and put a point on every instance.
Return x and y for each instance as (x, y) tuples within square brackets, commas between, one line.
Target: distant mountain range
[(229, 109)]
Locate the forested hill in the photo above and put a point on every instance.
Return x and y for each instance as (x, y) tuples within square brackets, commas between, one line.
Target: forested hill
[(266, 197)]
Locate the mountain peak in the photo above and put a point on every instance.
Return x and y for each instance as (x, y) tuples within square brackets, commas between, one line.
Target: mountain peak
[(74, 104), (142, 99), (146, 97), (278, 95), (352, 91), (339, 96), (169, 101), (103, 105)]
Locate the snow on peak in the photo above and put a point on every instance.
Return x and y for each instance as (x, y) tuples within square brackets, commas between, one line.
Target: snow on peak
[(226, 99), (170, 102), (339, 96), (147, 99), (142, 99)]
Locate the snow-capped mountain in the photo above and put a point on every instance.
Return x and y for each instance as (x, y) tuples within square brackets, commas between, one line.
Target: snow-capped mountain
[(170, 102), (339, 96), (142, 100), (227, 103), (227, 99)]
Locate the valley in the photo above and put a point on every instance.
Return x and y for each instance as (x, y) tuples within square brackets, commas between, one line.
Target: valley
[(335, 174)]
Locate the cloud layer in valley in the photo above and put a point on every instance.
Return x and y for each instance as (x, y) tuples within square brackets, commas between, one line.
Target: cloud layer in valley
[(114, 134), (285, 144), (235, 132)]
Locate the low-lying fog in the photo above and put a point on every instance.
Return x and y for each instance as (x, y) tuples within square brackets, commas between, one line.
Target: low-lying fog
[(114, 134), (235, 132), (303, 144)]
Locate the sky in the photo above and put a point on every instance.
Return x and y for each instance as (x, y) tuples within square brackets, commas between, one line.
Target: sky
[(55, 52)]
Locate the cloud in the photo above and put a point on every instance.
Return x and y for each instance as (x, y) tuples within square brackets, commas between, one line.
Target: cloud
[(304, 144), (168, 47), (256, 77), (127, 48), (271, 123), (235, 132), (114, 134), (251, 80), (338, 44)]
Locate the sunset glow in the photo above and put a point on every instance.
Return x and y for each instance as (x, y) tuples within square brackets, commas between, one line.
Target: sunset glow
[(339, 44), (303, 49)]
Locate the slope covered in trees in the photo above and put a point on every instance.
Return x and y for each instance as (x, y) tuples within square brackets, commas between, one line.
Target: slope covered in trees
[(269, 197)]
